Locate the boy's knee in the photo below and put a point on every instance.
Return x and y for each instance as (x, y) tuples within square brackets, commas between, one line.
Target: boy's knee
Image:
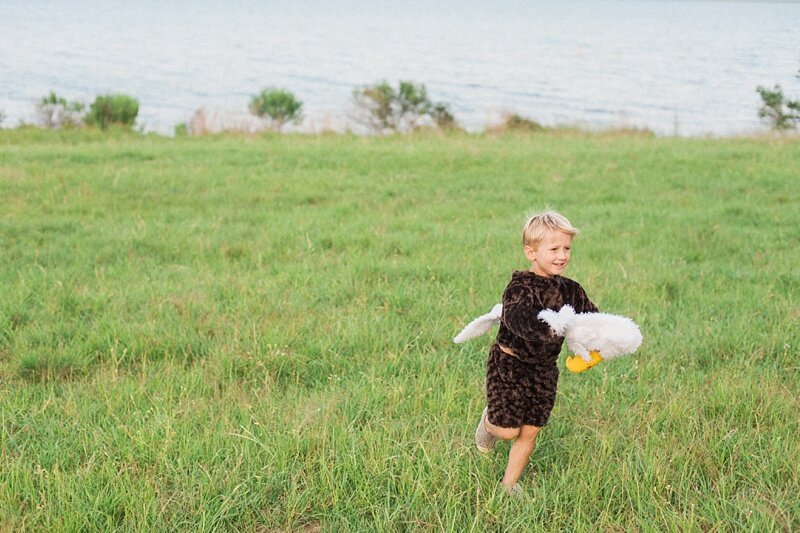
[(504, 433), (528, 433)]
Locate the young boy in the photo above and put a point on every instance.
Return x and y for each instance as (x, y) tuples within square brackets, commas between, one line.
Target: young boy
[(522, 374)]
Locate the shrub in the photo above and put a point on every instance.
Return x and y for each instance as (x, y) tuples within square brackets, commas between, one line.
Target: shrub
[(2, 117), (443, 117), (515, 122), (277, 107), (519, 123), (779, 112), (119, 109), (383, 108), (56, 112)]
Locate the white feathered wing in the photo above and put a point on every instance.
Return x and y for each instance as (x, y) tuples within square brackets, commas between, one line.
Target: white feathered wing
[(480, 325), (609, 335)]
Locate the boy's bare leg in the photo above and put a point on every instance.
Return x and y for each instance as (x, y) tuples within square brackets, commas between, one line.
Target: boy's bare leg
[(520, 454)]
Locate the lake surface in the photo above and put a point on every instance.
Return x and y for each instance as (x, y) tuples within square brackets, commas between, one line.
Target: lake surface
[(682, 67)]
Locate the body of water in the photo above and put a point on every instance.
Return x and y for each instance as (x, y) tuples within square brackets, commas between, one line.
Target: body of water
[(682, 67)]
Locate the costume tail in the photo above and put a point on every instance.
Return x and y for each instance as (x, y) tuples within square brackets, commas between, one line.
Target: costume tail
[(480, 325)]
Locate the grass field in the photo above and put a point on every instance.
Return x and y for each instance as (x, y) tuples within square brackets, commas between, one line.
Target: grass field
[(254, 333)]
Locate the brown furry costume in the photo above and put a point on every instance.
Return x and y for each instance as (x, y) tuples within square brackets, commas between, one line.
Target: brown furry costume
[(521, 389)]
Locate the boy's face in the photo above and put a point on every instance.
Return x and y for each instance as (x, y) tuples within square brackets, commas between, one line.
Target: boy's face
[(551, 255)]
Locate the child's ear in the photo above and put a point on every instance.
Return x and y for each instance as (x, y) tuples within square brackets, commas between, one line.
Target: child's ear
[(530, 252)]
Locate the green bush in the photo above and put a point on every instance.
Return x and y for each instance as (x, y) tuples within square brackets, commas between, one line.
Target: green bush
[(56, 112), (2, 117), (514, 122), (776, 110), (383, 108), (443, 117), (517, 122), (119, 109), (277, 107)]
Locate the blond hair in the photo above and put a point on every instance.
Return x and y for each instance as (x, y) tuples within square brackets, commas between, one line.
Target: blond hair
[(540, 223)]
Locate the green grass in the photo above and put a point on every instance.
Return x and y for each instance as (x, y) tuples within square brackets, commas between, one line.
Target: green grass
[(254, 333)]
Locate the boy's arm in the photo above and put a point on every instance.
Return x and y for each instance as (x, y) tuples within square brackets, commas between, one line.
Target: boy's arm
[(520, 314), (581, 303)]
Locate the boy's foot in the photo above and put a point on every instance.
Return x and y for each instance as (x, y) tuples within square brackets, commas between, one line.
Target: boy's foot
[(515, 491), (483, 439)]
